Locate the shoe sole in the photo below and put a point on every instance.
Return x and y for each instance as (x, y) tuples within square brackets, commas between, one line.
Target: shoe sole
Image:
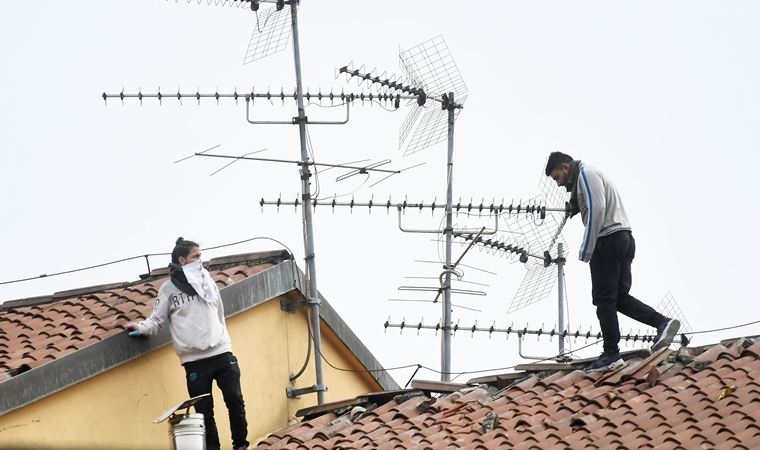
[(619, 364), (667, 336)]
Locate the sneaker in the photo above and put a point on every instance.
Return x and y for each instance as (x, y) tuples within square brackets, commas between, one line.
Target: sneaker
[(607, 361), (665, 334)]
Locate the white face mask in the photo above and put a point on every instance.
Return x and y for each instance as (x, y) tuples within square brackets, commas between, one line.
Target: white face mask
[(194, 266), (201, 281)]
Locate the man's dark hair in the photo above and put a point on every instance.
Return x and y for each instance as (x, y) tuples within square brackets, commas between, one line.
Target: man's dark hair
[(556, 159), (182, 248)]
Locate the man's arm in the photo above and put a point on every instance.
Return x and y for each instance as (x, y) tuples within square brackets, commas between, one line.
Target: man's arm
[(153, 324), (591, 188)]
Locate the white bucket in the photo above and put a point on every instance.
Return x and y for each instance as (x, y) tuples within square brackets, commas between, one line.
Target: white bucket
[(187, 432)]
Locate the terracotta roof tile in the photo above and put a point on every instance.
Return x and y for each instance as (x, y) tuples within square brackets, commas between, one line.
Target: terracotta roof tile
[(656, 402), (40, 333)]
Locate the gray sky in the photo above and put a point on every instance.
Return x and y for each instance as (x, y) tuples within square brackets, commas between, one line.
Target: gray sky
[(661, 96)]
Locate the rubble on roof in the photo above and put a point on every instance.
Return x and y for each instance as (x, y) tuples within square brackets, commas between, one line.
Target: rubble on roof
[(704, 397)]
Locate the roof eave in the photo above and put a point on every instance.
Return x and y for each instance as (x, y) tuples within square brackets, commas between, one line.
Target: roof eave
[(282, 279)]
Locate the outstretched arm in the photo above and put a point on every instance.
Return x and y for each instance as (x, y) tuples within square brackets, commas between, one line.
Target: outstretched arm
[(153, 324)]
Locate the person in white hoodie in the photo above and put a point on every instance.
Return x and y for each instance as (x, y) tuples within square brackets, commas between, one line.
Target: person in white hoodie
[(191, 304), (608, 246)]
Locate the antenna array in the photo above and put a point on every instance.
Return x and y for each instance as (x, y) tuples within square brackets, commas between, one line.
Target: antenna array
[(271, 34), (433, 85), (533, 207), (270, 37), (519, 332), (230, 3), (669, 308), (429, 72)]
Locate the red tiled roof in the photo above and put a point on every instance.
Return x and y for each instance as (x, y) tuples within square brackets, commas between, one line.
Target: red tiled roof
[(670, 400), (31, 336)]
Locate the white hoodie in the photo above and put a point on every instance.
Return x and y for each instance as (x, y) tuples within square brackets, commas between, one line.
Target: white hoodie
[(197, 326)]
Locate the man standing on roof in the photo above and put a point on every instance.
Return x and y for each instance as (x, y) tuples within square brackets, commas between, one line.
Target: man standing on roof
[(190, 301), (609, 247)]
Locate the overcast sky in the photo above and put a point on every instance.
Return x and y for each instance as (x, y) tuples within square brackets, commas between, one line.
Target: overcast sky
[(663, 97)]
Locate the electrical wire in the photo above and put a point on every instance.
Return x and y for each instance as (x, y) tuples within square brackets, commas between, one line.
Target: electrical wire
[(310, 149), (305, 363), (44, 275), (325, 106), (381, 105), (691, 333), (48, 275), (335, 196), (315, 195), (342, 369), (258, 26)]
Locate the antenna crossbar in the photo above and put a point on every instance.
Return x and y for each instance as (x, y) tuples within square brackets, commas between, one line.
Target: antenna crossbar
[(520, 332), (414, 91), (361, 169), (440, 289), (482, 209), (498, 245), (268, 95)]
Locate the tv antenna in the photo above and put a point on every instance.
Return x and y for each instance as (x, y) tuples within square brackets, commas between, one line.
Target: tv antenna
[(432, 81), (271, 35), (536, 239), (542, 246), (432, 74), (668, 306)]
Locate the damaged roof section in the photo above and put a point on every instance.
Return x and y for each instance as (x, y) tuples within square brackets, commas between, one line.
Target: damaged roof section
[(703, 397)]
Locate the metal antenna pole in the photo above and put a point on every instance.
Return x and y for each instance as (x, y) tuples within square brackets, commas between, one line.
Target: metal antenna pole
[(312, 293), (561, 295), (446, 335)]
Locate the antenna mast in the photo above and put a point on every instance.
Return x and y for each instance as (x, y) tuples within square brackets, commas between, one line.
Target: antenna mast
[(312, 294), (446, 307)]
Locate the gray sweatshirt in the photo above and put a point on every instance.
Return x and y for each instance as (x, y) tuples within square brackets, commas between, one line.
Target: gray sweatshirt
[(197, 327), (601, 208)]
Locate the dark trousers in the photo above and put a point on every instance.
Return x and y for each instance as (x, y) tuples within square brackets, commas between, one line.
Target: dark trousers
[(610, 283), (224, 369)]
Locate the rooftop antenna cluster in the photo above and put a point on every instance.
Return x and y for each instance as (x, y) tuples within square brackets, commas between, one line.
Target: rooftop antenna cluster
[(430, 74), (271, 34), (433, 78), (433, 88), (534, 238)]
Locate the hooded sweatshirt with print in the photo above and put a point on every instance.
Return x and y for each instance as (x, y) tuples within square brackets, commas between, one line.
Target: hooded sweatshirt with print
[(599, 203), (197, 326)]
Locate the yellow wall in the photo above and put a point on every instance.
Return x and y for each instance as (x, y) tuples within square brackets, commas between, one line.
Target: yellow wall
[(116, 409)]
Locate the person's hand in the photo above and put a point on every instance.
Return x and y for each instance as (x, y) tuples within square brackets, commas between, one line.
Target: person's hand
[(133, 329)]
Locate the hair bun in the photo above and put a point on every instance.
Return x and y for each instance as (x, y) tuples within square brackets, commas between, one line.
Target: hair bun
[(179, 240)]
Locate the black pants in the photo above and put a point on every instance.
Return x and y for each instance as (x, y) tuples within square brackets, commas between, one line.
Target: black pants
[(611, 281), (224, 369)]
